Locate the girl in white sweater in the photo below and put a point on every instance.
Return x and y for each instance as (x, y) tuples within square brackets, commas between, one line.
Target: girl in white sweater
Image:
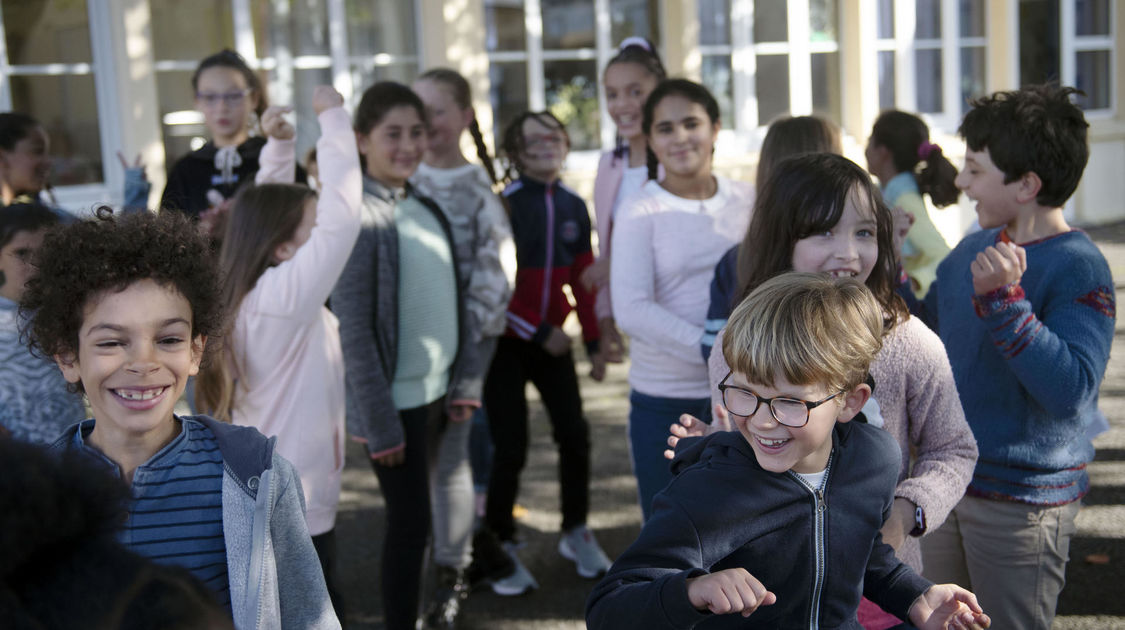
[(282, 369), (665, 246)]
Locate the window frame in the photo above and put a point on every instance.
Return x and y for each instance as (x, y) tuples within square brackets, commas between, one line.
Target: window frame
[(1070, 44)]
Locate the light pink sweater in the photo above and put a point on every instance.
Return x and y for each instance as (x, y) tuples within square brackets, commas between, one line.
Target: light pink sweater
[(918, 400), (286, 344)]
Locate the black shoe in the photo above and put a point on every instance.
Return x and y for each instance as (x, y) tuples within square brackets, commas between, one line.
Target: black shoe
[(490, 561), (451, 590)]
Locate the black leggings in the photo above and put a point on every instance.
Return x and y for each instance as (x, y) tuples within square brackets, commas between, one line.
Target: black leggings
[(406, 491), (325, 545), (516, 362)]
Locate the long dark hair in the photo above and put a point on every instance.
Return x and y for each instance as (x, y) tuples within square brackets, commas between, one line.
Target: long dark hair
[(789, 136), (462, 95), (227, 58), (261, 218), (806, 195), (690, 90), (908, 139), (639, 51), (377, 101)]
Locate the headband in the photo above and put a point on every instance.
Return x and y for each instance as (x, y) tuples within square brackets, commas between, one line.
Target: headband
[(635, 41)]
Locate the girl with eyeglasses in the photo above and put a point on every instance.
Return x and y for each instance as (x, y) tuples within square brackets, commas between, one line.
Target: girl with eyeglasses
[(821, 213), (231, 97)]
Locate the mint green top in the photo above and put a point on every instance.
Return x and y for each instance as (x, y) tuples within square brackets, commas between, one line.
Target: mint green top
[(427, 307)]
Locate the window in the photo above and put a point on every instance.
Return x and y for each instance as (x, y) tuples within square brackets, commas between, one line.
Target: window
[(1071, 42), (931, 56), (547, 54), (47, 69), (772, 58), (291, 42)]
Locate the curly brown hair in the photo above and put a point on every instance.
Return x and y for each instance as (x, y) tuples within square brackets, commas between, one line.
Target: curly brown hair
[(77, 262)]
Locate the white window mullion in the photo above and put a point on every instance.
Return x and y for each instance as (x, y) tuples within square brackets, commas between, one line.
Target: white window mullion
[(906, 96), (536, 84), (281, 87), (105, 91), (5, 71), (950, 63), (1067, 69), (743, 66), (605, 50), (244, 31), (800, 60)]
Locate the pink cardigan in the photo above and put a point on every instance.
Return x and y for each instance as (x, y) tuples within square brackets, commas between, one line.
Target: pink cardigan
[(918, 399)]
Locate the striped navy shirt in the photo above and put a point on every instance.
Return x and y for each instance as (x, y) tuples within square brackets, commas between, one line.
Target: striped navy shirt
[(176, 514)]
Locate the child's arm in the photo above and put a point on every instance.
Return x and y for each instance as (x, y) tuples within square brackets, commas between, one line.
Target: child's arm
[(1058, 356), (723, 285), (298, 287), (633, 286), (277, 162), (586, 299), (948, 606), (301, 591)]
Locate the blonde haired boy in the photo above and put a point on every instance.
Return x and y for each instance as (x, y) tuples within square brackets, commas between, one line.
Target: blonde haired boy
[(780, 521)]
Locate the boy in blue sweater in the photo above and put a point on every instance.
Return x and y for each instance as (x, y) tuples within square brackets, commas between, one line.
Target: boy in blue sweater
[(1026, 310), (777, 525), (125, 306)]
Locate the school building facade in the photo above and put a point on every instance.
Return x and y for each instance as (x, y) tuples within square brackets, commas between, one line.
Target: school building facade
[(114, 75)]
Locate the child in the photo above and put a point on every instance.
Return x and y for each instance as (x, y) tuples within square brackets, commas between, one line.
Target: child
[(552, 233), (25, 158), (402, 326), (1026, 310), (780, 521), (899, 143), (629, 77), (34, 402), (665, 245), (282, 369), (821, 213), (787, 137), (485, 257), (231, 97), (128, 327)]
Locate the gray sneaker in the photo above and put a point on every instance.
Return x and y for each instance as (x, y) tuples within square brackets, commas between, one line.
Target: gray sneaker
[(580, 546), (519, 581)]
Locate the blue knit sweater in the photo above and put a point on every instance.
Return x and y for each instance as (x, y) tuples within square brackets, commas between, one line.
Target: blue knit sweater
[(1028, 359)]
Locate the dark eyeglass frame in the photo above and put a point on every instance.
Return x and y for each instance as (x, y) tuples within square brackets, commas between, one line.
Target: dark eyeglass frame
[(809, 406), (230, 99)]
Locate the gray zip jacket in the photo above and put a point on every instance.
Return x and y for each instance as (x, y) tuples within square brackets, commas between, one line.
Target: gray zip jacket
[(273, 570)]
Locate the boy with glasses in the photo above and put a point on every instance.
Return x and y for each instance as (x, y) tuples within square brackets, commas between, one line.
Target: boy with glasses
[(780, 521)]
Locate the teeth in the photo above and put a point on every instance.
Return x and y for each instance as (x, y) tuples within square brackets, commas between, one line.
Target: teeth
[(132, 394), (772, 443), (842, 274)]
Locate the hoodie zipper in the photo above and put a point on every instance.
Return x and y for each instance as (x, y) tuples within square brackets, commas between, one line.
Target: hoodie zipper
[(545, 300), (820, 506)]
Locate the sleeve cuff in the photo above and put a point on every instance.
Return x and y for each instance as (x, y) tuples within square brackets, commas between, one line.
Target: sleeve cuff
[(997, 300)]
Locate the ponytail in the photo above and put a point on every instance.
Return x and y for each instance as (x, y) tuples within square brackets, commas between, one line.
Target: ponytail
[(482, 151), (652, 163), (907, 138), (937, 175)]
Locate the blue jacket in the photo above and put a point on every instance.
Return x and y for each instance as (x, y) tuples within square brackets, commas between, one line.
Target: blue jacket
[(723, 287), (813, 549), (273, 569), (1028, 360)]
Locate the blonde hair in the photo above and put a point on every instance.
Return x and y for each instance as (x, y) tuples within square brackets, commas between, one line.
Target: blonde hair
[(808, 328)]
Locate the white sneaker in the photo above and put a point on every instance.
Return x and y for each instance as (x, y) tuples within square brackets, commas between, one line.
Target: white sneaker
[(519, 581), (579, 546)]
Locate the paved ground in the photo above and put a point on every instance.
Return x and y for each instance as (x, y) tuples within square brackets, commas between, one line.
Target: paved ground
[(1092, 598)]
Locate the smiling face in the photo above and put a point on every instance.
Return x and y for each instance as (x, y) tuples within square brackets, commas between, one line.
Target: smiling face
[(24, 169), (683, 137), (226, 101), (983, 182), (849, 249), (15, 262), (627, 85), (393, 148), (778, 447), (135, 354), (543, 151), (445, 117)]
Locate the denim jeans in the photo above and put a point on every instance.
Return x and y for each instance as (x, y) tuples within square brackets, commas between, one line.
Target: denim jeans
[(480, 450), (649, 419)]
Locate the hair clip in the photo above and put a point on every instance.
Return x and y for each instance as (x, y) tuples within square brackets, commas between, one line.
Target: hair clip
[(635, 41), (926, 149)]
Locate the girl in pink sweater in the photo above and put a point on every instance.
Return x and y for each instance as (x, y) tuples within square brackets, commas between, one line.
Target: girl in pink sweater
[(820, 213), (282, 368)]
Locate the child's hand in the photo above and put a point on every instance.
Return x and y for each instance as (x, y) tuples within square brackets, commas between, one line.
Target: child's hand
[(948, 606), (997, 266), (612, 346), (274, 124), (596, 275), (557, 343), (460, 413), (899, 524), (325, 97), (901, 221), (137, 164), (597, 366), (729, 591), (690, 426)]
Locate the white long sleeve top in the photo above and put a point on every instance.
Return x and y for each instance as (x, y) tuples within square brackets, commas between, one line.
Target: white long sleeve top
[(290, 367), (665, 249)]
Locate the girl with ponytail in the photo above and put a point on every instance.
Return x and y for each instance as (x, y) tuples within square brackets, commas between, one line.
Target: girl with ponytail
[(908, 166)]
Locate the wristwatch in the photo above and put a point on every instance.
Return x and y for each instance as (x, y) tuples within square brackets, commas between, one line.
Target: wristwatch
[(919, 522)]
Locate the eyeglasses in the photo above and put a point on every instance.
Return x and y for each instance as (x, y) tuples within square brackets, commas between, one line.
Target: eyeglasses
[(230, 99), (545, 141), (791, 412)]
